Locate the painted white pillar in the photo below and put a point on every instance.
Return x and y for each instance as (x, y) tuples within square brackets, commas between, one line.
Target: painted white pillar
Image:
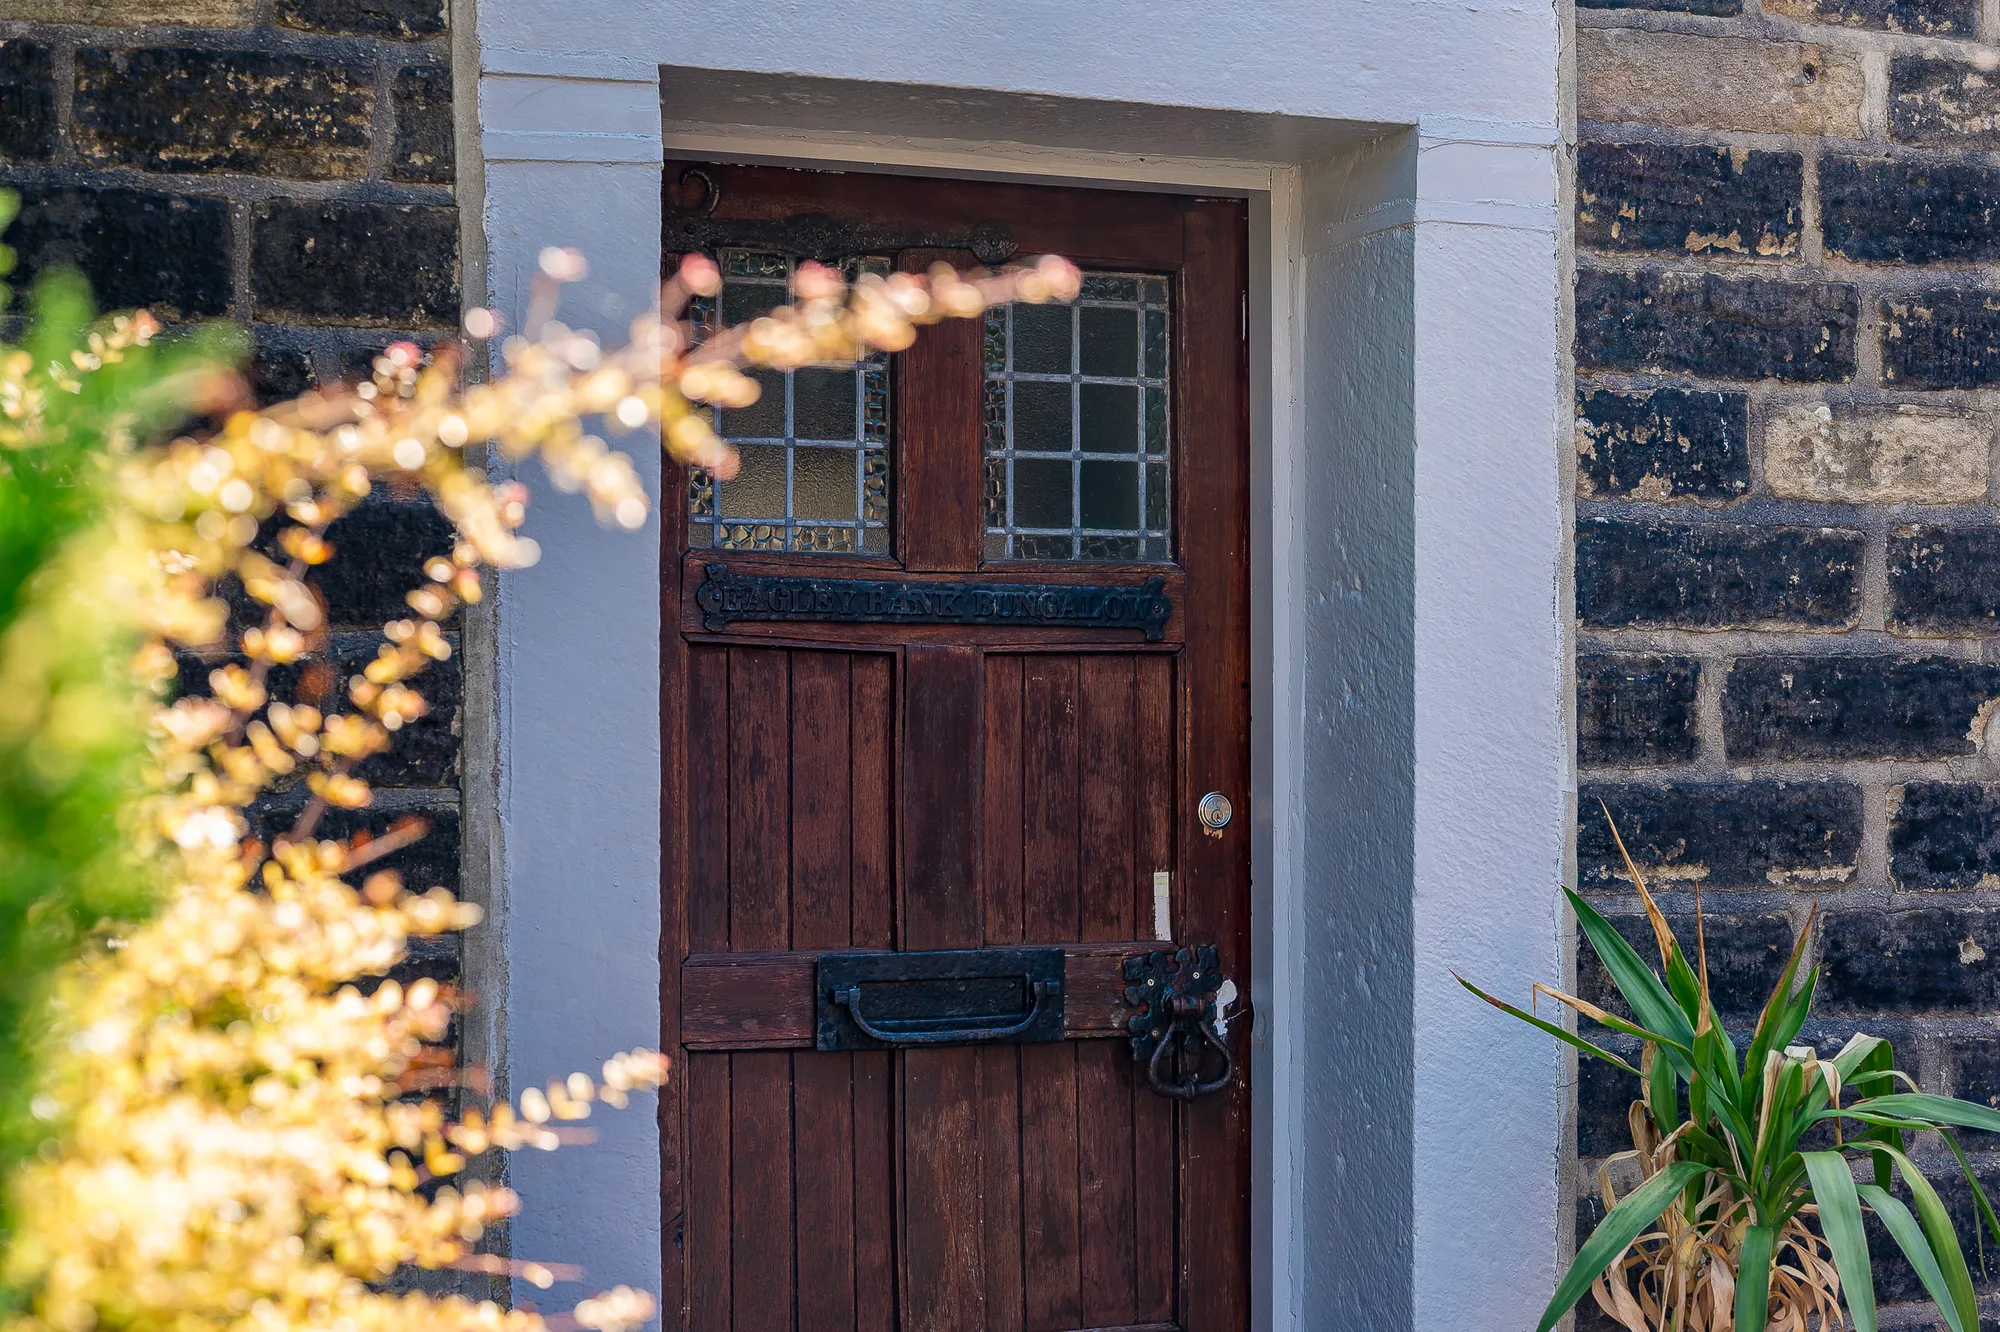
[(573, 162)]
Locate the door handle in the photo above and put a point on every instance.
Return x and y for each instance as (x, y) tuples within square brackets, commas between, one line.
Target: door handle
[(1176, 994), (1046, 992)]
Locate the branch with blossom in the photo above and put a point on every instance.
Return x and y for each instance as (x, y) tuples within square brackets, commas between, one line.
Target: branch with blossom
[(241, 1130)]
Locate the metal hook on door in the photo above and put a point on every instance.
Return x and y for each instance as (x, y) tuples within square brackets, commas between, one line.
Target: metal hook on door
[(1176, 994)]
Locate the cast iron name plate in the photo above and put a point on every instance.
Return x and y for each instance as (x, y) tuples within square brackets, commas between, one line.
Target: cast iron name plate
[(726, 598)]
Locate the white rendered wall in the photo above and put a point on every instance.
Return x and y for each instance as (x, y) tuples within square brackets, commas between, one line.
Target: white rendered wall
[(1411, 660)]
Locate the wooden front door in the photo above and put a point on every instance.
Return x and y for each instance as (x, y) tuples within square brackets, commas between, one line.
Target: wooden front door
[(842, 780)]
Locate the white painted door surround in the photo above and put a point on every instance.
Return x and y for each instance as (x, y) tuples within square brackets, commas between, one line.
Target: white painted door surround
[(1412, 744)]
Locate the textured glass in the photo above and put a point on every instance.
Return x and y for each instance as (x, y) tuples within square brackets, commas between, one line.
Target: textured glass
[(813, 448), (1076, 396), (1108, 418)]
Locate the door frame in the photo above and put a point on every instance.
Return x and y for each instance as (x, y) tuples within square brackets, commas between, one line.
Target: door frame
[(1463, 219)]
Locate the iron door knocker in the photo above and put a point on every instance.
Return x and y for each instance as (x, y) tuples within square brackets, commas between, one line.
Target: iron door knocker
[(1176, 995)]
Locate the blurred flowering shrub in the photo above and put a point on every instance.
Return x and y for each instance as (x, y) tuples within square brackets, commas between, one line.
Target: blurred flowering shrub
[(232, 1123)]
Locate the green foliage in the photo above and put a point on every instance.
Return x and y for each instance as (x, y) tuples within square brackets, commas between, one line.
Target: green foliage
[(73, 399), (1728, 1180)]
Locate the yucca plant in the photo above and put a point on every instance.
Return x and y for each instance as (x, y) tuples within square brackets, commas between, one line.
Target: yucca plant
[(1719, 1233)]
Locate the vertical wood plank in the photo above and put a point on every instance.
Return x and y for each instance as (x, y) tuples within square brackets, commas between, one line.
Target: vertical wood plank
[(1000, 1069), (674, 852), (942, 494), (871, 762), (708, 1223), (1105, 1185), (760, 917), (1155, 1162), (822, 1095), (1215, 898), (871, 699), (1050, 912), (943, 725), (1001, 844), (1105, 772), (1000, 1181), (760, 1233), (707, 816)]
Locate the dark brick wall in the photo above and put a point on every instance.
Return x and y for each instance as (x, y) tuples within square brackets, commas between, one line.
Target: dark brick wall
[(1787, 549), (288, 167)]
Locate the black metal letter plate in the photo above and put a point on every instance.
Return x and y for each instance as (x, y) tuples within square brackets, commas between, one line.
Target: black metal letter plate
[(882, 1001), (726, 598)]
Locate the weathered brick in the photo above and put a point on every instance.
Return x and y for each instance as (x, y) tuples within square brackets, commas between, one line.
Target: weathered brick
[(1664, 445), (1715, 577), (1725, 83), (1707, 324), (137, 247), (1851, 707), (342, 262), (1904, 211), (426, 750), (1972, 1073), (1603, 1096), (381, 552), (133, 13), (1720, 835), (1746, 956), (1877, 455), (1930, 18), (423, 125), (185, 109), (1635, 710), (1927, 960), (1947, 338), (1944, 579), (1943, 103), (280, 373), (1944, 835), (1688, 200), (27, 101), (370, 18), (430, 863)]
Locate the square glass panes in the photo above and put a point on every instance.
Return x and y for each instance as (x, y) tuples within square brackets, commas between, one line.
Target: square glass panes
[(1076, 425), (814, 447)]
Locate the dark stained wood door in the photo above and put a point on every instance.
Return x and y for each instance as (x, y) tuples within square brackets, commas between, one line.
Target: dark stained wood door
[(870, 786)]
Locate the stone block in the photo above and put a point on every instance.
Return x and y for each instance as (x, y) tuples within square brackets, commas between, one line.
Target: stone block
[(1928, 18), (1944, 103), (1719, 327), (1945, 338), (1636, 710), (344, 262), (381, 549), (1909, 211), (1671, 574), (167, 252), (432, 862), (1673, 199), (1856, 707), (1746, 956), (1972, 1073), (1877, 455), (1944, 579), (187, 109), (280, 373), (1928, 960), (1664, 445), (27, 101), (365, 18), (1719, 835), (1604, 1094), (1944, 835), (424, 153), (1726, 83), (133, 13)]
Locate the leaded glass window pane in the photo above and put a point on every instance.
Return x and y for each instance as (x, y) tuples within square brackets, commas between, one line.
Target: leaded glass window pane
[(814, 448), (1075, 420)]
